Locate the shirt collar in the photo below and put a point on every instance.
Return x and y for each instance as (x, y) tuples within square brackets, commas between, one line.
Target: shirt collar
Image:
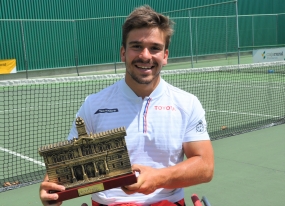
[(128, 92)]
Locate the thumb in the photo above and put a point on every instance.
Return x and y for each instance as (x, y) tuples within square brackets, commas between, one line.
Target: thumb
[(137, 168)]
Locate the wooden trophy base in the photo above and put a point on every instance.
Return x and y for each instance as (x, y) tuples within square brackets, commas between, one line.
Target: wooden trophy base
[(106, 184)]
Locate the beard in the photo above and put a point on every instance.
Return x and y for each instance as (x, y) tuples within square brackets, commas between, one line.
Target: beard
[(142, 79)]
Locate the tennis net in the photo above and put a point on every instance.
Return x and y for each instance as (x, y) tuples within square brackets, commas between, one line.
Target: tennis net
[(237, 99)]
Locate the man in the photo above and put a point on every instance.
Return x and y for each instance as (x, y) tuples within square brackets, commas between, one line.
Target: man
[(163, 122)]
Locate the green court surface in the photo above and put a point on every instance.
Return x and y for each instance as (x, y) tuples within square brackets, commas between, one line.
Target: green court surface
[(249, 171)]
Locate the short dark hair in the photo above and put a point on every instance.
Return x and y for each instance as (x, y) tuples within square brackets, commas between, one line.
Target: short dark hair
[(146, 17)]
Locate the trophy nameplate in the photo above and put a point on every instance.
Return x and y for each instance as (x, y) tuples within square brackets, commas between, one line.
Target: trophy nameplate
[(89, 163)]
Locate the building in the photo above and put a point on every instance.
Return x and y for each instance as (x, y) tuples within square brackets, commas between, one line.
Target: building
[(88, 158)]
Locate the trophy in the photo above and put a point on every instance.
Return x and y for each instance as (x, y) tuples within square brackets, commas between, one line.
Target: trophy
[(88, 163)]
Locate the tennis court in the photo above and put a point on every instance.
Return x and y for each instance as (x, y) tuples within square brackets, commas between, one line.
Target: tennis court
[(241, 98), (249, 170), (244, 103)]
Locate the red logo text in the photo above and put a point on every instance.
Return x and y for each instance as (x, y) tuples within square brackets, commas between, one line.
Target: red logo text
[(166, 108)]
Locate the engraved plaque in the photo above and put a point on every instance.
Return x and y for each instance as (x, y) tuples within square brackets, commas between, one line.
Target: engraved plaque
[(90, 189)]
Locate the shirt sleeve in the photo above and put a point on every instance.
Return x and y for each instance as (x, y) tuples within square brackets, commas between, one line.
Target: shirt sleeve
[(196, 129)]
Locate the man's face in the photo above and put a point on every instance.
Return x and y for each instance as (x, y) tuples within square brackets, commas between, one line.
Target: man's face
[(144, 56)]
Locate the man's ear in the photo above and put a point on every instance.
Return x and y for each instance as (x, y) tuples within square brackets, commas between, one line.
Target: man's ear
[(164, 62), (122, 54)]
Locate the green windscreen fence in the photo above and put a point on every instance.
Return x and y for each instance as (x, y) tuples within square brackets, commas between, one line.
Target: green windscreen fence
[(237, 99), (204, 30), (200, 32), (41, 44), (261, 30)]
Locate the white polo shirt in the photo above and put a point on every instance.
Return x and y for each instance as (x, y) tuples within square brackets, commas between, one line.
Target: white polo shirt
[(156, 128)]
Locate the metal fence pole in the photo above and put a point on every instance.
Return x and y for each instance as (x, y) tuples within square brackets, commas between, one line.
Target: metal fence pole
[(237, 31), (196, 40), (190, 27), (114, 44), (252, 22), (75, 46), (226, 38), (24, 49), (277, 29)]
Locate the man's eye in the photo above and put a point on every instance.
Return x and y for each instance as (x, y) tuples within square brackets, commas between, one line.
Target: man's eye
[(156, 48), (136, 46)]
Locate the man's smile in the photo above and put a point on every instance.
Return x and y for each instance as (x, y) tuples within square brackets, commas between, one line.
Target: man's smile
[(144, 67)]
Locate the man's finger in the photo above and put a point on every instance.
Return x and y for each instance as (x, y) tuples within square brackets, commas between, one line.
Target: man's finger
[(51, 186), (127, 191), (45, 194), (136, 168)]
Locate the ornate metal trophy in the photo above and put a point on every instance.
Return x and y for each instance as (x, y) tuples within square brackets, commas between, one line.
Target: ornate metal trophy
[(88, 163)]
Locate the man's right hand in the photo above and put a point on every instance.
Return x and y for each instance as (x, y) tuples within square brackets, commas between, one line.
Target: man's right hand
[(46, 196)]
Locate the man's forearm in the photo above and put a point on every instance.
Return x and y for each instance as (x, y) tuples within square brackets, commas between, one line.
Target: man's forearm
[(190, 172)]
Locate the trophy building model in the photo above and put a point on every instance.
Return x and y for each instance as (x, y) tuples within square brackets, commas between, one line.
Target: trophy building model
[(88, 158)]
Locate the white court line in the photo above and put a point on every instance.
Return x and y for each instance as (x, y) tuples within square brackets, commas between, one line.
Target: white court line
[(235, 85), (22, 156), (243, 113), (31, 108)]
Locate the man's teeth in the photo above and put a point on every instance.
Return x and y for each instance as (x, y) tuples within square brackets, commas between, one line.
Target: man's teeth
[(144, 67)]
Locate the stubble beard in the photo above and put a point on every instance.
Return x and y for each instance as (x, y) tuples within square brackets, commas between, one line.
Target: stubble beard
[(141, 79)]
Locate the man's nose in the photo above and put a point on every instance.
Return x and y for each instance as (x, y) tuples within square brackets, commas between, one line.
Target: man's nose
[(145, 54)]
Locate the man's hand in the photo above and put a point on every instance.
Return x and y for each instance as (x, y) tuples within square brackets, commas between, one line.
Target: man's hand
[(147, 182), (45, 196), (196, 169)]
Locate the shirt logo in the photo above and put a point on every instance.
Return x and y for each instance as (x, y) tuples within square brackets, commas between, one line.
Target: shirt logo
[(106, 111), (165, 108), (200, 127)]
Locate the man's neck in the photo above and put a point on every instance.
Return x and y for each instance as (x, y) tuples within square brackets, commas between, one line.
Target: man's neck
[(143, 90)]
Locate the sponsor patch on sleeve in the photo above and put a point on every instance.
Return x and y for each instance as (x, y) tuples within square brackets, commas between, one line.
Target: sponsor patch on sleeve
[(201, 126)]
